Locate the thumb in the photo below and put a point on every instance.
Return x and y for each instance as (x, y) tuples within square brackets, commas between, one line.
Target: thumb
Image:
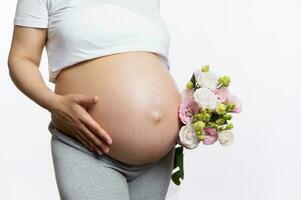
[(87, 100)]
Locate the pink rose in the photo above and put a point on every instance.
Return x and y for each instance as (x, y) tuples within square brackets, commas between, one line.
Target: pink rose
[(187, 94), (233, 99), (222, 93), (187, 109), (210, 135)]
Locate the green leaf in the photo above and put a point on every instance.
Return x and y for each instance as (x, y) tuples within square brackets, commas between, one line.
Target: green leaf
[(192, 79), (178, 162)]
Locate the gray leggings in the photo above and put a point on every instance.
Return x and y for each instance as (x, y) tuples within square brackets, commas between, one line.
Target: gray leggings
[(84, 175)]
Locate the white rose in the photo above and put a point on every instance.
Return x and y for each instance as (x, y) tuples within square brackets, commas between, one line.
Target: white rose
[(188, 137), (205, 98), (207, 79), (225, 138)]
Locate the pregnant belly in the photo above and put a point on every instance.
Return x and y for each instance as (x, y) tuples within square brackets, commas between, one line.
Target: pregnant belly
[(138, 104)]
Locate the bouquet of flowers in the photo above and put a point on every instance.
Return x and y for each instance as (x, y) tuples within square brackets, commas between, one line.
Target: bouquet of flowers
[(205, 114)]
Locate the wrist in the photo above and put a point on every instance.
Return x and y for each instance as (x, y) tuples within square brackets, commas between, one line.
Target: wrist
[(52, 101)]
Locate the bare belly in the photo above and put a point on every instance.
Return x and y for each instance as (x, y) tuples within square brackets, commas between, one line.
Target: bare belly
[(138, 104)]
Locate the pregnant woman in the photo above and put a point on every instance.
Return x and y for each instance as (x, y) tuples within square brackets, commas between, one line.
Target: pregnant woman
[(114, 112)]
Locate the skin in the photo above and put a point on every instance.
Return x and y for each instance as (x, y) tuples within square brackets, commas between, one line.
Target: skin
[(23, 63), (76, 112), (138, 103)]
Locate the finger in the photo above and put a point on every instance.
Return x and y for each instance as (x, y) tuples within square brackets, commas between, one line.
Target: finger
[(87, 100), (96, 128), (83, 141), (97, 142), (87, 142), (89, 137), (89, 145)]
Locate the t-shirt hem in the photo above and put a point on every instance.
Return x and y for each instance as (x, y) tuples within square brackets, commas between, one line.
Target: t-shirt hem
[(163, 55), (38, 23)]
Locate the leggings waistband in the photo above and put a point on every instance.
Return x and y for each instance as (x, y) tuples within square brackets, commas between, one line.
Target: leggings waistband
[(72, 142)]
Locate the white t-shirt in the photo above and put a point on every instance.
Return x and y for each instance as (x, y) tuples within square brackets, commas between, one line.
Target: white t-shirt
[(79, 30)]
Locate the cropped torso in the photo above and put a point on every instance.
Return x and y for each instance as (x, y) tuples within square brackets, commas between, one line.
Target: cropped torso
[(118, 50)]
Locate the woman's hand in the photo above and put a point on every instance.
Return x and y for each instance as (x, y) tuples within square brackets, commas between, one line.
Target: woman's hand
[(71, 109), (23, 64)]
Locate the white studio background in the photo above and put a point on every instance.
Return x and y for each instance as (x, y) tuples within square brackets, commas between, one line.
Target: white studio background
[(256, 42)]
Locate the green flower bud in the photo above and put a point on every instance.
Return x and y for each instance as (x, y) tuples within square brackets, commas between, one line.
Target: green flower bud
[(221, 108), (206, 117), (229, 126), (205, 68), (208, 110), (224, 81), (211, 124), (203, 117), (200, 117), (189, 85), (220, 128), (200, 135), (230, 107), (220, 121), (227, 117), (215, 125), (198, 126)]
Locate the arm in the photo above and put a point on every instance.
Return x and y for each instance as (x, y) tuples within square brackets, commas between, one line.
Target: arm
[(23, 63)]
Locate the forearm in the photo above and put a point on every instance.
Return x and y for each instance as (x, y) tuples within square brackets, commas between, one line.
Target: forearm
[(28, 79)]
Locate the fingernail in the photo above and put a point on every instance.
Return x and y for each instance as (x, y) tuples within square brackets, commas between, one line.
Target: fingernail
[(99, 152), (109, 141)]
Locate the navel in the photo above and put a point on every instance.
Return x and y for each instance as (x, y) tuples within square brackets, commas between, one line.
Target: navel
[(157, 116)]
